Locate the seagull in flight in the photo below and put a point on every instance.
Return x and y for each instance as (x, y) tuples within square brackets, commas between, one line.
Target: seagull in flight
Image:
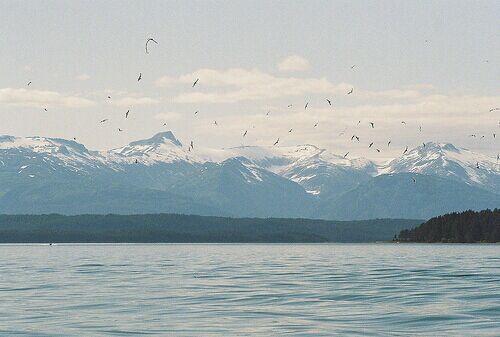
[(371, 144), (267, 114), (472, 135), (315, 125), (420, 128), (305, 106), (109, 97), (378, 150), (104, 120), (403, 122), (350, 91), (290, 130), (352, 67), (491, 110), (149, 40), (276, 142), (406, 150), (120, 130), (196, 112), (345, 156), (126, 113), (477, 165), (245, 133), (195, 82), (290, 105), (191, 145), (45, 109), (215, 122), (373, 125), (329, 102), (29, 83), (389, 142)]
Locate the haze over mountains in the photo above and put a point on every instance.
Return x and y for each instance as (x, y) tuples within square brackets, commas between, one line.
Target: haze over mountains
[(160, 174)]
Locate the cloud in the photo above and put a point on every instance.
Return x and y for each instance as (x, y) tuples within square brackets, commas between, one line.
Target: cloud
[(133, 101), (293, 63), (41, 98), (236, 84), (83, 77), (171, 115)]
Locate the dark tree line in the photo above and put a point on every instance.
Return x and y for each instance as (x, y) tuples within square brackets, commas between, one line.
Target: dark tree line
[(465, 227), (191, 228)]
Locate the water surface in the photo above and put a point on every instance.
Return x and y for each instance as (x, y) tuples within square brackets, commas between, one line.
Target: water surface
[(243, 290)]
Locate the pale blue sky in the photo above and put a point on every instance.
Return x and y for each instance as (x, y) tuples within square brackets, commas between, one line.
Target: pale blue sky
[(419, 61)]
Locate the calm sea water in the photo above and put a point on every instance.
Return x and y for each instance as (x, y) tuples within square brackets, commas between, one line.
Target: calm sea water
[(243, 290)]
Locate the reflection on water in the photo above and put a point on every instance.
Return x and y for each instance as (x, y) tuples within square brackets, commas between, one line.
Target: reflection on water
[(239, 290)]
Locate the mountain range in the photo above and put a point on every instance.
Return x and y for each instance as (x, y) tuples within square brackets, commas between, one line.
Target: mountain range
[(161, 175)]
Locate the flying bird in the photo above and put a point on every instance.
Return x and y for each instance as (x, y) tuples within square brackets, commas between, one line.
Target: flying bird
[(350, 91), (388, 143), (215, 122), (126, 113), (109, 96), (276, 142), (245, 133), (414, 180), (371, 144), (373, 125), (378, 150), (192, 145), (420, 128), (104, 120), (472, 136), (352, 67), (29, 83), (196, 112), (406, 150), (195, 82), (345, 156), (267, 114), (140, 77), (491, 110), (329, 102), (45, 109), (136, 161), (403, 122), (315, 125), (149, 40), (290, 105), (120, 130), (423, 144), (290, 130), (305, 106), (494, 135), (164, 124), (477, 165)]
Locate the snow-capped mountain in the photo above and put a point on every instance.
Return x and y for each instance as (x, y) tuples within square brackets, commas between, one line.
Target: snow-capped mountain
[(160, 174), (448, 161)]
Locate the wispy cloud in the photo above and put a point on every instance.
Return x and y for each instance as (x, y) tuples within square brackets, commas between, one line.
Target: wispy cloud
[(41, 98), (168, 116), (83, 77), (133, 101), (237, 84), (293, 63)]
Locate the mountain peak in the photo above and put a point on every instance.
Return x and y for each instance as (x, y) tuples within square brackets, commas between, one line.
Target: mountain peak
[(440, 146), (159, 138)]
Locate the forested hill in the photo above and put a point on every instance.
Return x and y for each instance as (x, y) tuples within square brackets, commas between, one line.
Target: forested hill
[(469, 226), (157, 228)]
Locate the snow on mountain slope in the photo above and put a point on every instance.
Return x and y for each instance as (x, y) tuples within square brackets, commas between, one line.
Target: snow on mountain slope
[(448, 161), (53, 153), (319, 171)]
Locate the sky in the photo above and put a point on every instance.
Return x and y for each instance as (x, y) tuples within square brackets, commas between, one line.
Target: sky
[(433, 65)]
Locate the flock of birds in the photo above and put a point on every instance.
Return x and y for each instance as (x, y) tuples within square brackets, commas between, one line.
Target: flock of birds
[(328, 101)]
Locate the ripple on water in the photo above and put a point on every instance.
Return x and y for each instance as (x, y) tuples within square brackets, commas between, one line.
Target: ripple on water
[(243, 290)]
